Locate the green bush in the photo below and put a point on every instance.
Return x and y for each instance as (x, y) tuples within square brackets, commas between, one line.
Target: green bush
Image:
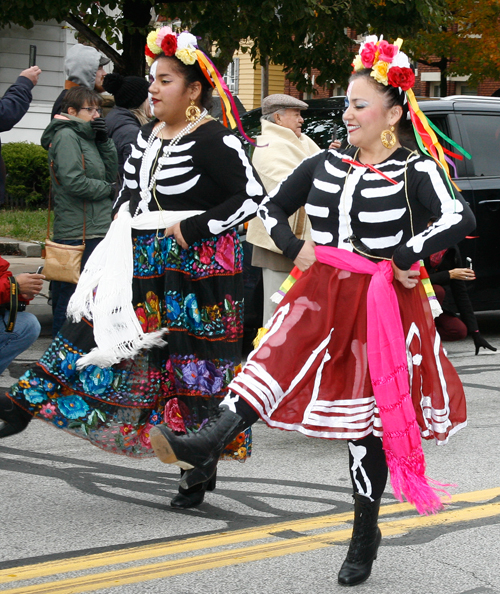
[(28, 177)]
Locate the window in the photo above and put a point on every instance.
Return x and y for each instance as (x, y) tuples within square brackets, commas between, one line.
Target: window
[(232, 76), (338, 91), (435, 89), (484, 137), (464, 89)]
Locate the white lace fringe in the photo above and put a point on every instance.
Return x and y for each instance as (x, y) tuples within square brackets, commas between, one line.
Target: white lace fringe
[(104, 291)]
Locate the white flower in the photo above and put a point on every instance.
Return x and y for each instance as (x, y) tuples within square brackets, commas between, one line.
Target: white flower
[(401, 60), (372, 39), (185, 40)]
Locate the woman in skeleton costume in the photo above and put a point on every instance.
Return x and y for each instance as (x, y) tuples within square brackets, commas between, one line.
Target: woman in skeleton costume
[(157, 317), (352, 352)]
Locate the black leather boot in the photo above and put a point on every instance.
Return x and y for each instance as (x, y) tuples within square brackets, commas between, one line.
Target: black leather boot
[(201, 449), (13, 419), (365, 541), (194, 496)]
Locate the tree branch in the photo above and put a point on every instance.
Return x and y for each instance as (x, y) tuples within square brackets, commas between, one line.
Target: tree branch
[(95, 39)]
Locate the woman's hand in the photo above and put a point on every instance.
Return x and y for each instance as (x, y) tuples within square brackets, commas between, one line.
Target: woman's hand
[(175, 230), (306, 257), (462, 274), (335, 144), (408, 278)]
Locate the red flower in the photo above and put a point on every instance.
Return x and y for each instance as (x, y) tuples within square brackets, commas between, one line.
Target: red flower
[(401, 77), (149, 53), (206, 254), (175, 413), (368, 54), (141, 316), (225, 252), (169, 45), (387, 51)]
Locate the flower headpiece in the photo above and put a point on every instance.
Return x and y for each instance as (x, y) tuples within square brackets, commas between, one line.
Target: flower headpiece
[(164, 40), (388, 63), (390, 66), (184, 46)]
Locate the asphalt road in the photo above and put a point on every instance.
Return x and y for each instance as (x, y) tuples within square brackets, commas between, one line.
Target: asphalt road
[(76, 519)]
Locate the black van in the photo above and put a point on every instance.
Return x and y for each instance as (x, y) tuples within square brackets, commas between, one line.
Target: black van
[(474, 123)]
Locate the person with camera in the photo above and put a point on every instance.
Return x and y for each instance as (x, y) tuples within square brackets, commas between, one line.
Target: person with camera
[(83, 168), (13, 106), (20, 328)]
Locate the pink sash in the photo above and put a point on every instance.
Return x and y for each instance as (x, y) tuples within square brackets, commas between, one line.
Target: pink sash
[(387, 361)]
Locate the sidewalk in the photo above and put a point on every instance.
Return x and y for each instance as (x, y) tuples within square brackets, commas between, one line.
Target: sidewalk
[(39, 306)]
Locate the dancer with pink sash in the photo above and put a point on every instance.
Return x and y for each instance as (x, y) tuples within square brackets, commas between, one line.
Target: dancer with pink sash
[(352, 352)]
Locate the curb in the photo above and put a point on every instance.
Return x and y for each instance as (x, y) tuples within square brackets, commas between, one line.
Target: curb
[(21, 248)]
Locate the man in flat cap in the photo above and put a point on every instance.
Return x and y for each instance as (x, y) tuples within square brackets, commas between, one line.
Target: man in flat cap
[(281, 146)]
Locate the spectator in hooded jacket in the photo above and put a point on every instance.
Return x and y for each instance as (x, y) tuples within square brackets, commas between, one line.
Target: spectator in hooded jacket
[(83, 167), (131, 111), (13, 105), (84, 67)]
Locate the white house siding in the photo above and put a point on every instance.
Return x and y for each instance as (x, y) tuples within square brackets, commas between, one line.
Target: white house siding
[(52, 40)]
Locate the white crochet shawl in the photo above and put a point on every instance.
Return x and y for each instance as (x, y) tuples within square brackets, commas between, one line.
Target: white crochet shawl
[(104, 292)]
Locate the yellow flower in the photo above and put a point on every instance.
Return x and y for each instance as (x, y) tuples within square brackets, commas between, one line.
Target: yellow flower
[(186, 56), (149, 61), (357, 63), (379, 72), (151, 42)]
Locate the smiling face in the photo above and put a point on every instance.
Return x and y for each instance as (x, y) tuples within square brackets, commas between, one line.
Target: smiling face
[(169, 94), (367, 116)]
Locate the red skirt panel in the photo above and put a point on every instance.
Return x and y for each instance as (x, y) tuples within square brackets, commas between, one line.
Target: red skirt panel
[(310, 372)]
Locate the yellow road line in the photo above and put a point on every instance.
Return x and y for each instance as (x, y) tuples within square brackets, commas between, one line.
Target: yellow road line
[(257, 552), (208, 541)]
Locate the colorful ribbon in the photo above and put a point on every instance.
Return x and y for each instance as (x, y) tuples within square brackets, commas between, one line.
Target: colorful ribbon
[(229, 109)]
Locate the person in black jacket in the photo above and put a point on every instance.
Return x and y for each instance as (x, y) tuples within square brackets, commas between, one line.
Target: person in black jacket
[(13, 106), (449, 279), (131, 111)]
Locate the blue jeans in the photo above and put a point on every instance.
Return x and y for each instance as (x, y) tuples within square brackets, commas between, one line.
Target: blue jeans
[(61, 292), (12, 344)]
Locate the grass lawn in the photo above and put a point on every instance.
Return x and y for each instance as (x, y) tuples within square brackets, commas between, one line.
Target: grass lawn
[(24, 225)]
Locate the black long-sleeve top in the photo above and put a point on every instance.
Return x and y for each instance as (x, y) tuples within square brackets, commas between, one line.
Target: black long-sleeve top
[(207, 170), (440, 275), (390, 219)]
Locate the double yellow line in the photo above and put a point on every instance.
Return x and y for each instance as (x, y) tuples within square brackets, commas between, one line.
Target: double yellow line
[(274, 547)]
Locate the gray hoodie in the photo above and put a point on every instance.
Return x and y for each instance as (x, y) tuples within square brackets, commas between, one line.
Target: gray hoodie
[(81, 65)]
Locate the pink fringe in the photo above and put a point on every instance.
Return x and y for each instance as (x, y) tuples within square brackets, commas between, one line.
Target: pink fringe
[(408, 479)]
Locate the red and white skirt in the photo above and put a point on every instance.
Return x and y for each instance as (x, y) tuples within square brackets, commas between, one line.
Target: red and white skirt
[(310, 372)]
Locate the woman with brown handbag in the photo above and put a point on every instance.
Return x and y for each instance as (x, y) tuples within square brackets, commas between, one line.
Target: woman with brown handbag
[(83, 167)]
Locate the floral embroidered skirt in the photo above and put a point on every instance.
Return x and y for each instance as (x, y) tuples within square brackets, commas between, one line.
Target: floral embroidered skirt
[(197, 294), (310, 372)]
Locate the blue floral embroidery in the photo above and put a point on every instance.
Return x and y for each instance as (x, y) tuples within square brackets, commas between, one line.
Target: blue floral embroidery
[(173, 308), (193, 317), (96, 380), (35, 395), (68, 365), (72, 407)]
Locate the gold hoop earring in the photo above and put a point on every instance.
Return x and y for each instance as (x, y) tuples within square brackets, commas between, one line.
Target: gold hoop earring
[(388, 138), (192, 112)]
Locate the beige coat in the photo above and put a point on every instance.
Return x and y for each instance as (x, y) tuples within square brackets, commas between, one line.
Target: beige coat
[(274, 162)]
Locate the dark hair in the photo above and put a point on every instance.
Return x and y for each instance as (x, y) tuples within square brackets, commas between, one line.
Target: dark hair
[(392, 96), (191, 74), (76, 98)]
